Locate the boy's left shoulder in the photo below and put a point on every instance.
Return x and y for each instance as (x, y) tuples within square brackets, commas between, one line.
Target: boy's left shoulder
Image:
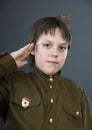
[(72, 85)]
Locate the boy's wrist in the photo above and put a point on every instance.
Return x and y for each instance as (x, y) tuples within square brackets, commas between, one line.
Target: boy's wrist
[(7, 63)]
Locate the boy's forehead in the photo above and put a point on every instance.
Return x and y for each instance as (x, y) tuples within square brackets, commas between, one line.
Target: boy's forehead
[(55, 35), (49, 38)]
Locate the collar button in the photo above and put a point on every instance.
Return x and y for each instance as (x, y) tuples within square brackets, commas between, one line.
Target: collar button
[(51, 79)]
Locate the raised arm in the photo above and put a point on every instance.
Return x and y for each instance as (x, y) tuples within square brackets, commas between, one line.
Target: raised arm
[(16, 59), (8, 63)]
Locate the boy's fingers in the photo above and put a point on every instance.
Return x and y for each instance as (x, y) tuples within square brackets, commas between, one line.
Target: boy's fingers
[(30, 48), (27, 49)]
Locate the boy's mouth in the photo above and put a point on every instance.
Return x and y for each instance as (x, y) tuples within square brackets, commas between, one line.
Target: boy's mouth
[(52, 62)]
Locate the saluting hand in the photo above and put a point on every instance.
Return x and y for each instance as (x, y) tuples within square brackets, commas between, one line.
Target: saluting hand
[(21, 55)]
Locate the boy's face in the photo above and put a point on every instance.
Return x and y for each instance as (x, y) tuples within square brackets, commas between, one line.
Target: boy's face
[(50, 52)]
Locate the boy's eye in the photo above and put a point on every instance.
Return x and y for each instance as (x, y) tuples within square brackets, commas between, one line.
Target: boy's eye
[(47, 45), (62, 48)]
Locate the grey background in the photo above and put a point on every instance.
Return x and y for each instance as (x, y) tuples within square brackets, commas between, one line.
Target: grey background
[(16, 16)]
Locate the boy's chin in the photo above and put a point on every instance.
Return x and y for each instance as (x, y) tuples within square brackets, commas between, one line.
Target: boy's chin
[(52, 73)]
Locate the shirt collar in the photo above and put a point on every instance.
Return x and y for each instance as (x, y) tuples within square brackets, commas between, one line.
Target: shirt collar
[(40, 74)]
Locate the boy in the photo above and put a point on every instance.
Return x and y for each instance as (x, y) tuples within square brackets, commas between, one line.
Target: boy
[(42, 99)]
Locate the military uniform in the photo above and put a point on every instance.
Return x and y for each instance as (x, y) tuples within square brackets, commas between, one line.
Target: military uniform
[(35, 101)]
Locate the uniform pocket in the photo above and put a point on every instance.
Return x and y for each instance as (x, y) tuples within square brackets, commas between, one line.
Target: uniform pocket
[(26, 99), (73, 110)]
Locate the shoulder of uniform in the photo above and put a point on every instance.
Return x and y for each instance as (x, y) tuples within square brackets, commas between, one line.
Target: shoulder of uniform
[(19, 74), (72, 85)]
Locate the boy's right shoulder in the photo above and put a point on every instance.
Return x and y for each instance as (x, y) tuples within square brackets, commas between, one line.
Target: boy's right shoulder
[(18, 74)]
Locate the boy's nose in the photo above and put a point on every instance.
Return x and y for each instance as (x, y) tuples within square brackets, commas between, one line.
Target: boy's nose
[(54, 53)]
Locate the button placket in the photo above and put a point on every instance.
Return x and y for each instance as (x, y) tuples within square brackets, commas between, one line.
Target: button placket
[(51, 81), (51, 88), (50, 100)]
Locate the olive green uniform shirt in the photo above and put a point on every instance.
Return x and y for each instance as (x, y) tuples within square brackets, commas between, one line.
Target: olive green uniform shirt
[(35, 101)]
